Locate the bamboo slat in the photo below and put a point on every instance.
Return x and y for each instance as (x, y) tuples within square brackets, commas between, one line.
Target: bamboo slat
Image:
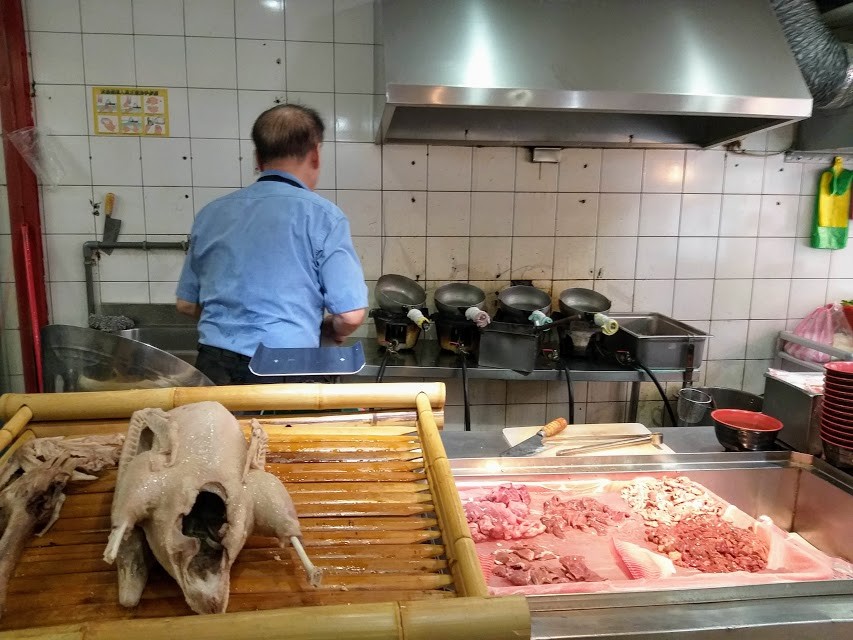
[(13, 428), (21, 440)]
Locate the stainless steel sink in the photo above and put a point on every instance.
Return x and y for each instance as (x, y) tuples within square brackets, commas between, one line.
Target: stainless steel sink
[(179, 341)]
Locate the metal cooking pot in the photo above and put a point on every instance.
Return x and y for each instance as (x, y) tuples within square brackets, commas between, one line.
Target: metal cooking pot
[(454, 299), (519, 301), (579, 302), (399, 294)]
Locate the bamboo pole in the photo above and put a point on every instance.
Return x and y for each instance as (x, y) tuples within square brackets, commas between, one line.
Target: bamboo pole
[(14, 426), (454, 526), (25, 437), (306, 397)]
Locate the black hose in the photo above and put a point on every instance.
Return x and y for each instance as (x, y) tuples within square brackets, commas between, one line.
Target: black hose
[(464, 358), (571, 391), (381, 373), (660, 391)]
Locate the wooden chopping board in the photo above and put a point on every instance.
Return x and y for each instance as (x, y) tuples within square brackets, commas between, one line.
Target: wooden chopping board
[(584, 434)]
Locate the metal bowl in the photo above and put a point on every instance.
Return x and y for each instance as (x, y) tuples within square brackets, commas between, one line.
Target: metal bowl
[(399, 294), (578, 301), (520, 301), (454, 298), (739, 430)]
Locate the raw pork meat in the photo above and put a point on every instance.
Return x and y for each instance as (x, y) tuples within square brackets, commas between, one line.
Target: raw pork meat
[(584, 514), (502, 515), (524, 564), (190, 490), (670, 499), (710, 544)]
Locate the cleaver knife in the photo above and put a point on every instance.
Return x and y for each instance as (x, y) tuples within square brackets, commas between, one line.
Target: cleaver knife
[(536, 443), (111, 225)]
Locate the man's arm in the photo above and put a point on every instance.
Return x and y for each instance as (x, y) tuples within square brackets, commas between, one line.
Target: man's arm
[(190, 309), (343, 283), (338, 326)]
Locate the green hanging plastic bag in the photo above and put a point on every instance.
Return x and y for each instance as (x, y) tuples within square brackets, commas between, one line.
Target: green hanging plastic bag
[(832, 208)]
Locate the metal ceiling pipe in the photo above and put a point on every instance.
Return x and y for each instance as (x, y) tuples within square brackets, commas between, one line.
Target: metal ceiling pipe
[(825, 61)]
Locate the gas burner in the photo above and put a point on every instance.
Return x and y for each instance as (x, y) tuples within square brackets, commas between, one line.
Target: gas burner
[(457, 335), (501, 315), (394, 331)]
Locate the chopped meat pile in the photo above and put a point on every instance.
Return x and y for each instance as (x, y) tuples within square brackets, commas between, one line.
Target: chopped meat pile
[(710, 544), (584, 514), (525, 564), (669, 500), (502, 515)]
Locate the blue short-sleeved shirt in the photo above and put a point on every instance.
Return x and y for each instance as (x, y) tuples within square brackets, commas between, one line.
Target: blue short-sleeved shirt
[(264, 262)]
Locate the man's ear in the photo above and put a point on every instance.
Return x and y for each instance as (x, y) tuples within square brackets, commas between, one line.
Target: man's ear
[(315, 157), (257, 163)]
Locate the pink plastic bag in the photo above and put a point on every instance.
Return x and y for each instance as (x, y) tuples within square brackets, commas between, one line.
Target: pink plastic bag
[(825, 325)]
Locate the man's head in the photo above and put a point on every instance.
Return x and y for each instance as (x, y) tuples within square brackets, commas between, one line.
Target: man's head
[(287, 137)]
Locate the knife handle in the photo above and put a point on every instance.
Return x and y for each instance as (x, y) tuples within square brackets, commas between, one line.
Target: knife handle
[(109, 203), (554, 427)]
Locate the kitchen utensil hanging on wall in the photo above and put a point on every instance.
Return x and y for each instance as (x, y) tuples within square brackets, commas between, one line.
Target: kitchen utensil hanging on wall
[(112, 226)]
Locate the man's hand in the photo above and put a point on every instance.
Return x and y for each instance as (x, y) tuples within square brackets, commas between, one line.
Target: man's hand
[(188, 308), (337, 327)]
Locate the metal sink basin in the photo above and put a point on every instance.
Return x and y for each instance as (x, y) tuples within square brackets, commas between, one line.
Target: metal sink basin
[(179, 341)]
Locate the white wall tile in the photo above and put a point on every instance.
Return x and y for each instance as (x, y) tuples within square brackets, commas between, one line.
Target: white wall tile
[(448, 213), (68, 210), (523, 415), (580, 170), (168, 210), (806, 296), (354, 118), (619, 292), (703, 171), (533, 258), (725, 373), (763, 334), (622, 170), (841, 263), (161, 62), (249, 169), (660, 214), (618, 214), (405, 256), (774, 257), (158, 17), (449, 168), (364, 210), (770, 299), (115, 161), (167, 163), (700, 214), (744, 174), (447, 258), (56, 58), (494, 169), (574, 258), (731, 299), (810, 263), (663, 171), (261, 64), (490, 258), (108, 59), (615, 258), (740, 215), (202, 196), (123, 266), (654, 295), (778, 216), (127, 292), (209, 18), (323, 103), (52, 15), (533, 176), (65, 257), (251, 104), (213, 113), (656, 258), (106, 16), (838, 290), (369, 250), (68, 303), (62, 109), (404, 166), (262, 20), (729, 340), (215, 163), (162, 292), (526, 392), (753, 375), (128, 208), (309, 20), (535, 214), (404, 213), (73, 154), (782, 177), (310, 66), (805, 216), (358, 166), (697, 257), (491, 213), (211, 63), (354, 68), (577, 214), (354, 21), (811, 178), (692, 299), (164, 265)]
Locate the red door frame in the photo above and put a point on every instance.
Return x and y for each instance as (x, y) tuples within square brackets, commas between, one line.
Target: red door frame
[(16, 112)]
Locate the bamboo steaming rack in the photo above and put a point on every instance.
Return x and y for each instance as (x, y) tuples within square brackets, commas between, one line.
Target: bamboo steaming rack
[(376, 499)]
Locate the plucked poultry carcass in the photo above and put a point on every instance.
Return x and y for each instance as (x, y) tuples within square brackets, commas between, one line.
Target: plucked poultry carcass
[(191, 490)]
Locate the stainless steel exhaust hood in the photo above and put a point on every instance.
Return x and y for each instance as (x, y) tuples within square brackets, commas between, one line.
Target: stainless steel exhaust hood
[(668, 73)]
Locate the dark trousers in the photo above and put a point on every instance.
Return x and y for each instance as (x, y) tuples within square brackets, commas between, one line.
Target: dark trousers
[(225, 367)]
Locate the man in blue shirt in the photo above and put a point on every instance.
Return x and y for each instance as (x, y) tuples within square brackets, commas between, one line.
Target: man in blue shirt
[(265, 262)]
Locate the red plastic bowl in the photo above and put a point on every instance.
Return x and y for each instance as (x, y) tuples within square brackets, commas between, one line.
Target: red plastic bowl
[(836, 435), (840, 415), (836, 391), (838, 442), (842, 369), (835, 425), (746, 420)]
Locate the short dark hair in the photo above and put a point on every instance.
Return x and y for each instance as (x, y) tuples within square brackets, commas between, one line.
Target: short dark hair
[(287, 131)]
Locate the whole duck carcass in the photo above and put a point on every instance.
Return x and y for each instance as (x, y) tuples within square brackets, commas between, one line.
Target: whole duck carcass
[(191, 490)]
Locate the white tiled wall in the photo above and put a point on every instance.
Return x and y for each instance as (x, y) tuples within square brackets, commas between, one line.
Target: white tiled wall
[(716, 239), (11, 367)]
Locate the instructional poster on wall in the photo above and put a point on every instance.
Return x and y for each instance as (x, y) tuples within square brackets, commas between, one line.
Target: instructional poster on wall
[(131, 111)]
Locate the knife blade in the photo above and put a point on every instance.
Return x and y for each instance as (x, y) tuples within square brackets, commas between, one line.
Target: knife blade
[(536, 442), (112, 226)]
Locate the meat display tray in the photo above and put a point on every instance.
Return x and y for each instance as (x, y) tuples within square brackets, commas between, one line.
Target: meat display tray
[(377, 506)]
